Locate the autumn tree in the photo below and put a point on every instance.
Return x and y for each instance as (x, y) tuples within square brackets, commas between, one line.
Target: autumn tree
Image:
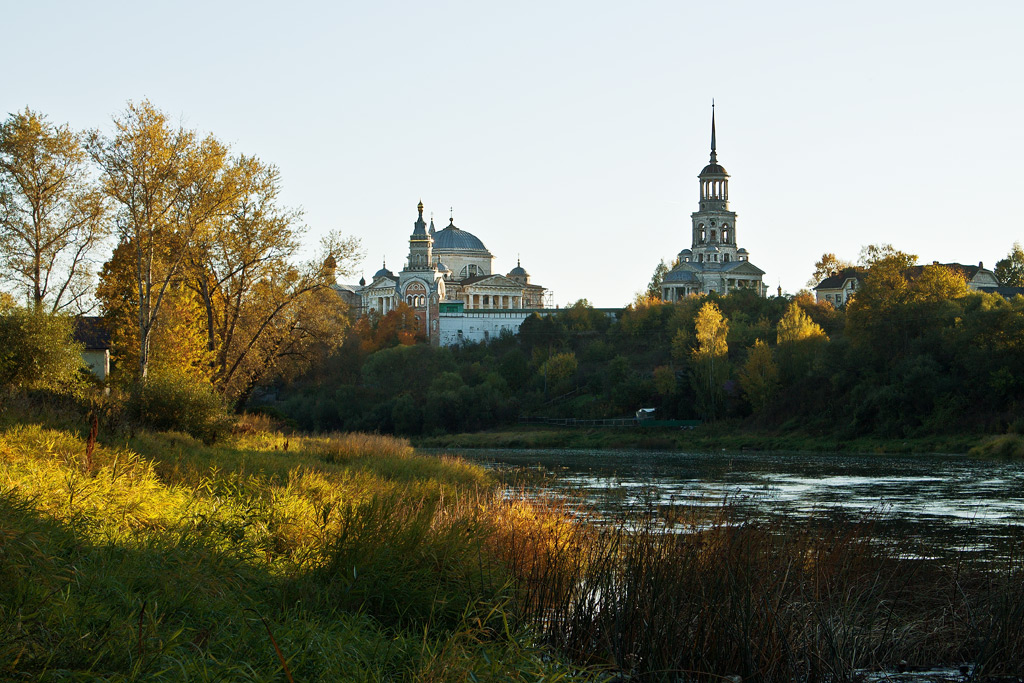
[(827, 265), (796, 325), (178, 341), (938, 283), (1010, 270), (169, 187), (759, 376), (52, 217), (263, 310), (710, 367)]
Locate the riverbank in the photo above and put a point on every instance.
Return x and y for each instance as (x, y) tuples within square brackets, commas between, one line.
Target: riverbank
[(725, 436), (265, 557), (351, 557)]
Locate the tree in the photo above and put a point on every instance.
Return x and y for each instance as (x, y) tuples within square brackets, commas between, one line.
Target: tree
[(796, 325), (37, 349), (710, 367), (168, 187), (262, 311), (558, 371), (875, 254), (759, 376), (1010, 270), (51, 216), (654, 286), (828, 264), (178, 339), (938, 283)]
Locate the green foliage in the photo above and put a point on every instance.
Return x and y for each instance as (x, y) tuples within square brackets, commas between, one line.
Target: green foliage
[(558, 372), (1010, 270), (38, 351), (176, 401), (658, 277), (759, 376), (350, 556)]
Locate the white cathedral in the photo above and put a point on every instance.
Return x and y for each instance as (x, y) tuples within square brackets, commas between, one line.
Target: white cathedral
[(448, 281), (713, 263)]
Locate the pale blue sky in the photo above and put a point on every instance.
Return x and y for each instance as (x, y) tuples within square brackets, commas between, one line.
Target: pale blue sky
[(572, 132)]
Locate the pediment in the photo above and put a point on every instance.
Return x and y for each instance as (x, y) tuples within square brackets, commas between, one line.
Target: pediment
[(745, 268), (495, 280)]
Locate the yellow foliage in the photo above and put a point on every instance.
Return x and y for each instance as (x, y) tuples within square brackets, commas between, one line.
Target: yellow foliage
[(798, 326)]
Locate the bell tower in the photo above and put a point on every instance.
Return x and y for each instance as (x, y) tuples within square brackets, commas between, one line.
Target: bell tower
[(714, 225), (420, 245)]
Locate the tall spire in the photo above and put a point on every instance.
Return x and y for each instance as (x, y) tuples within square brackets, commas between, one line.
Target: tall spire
[(714, 154)]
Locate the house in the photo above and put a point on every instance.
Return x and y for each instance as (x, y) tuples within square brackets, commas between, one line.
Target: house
[(838, 288), (92, 333)]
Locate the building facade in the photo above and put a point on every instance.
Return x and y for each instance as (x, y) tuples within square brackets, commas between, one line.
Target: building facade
[(451, 270), (839, 287), (714, 262)]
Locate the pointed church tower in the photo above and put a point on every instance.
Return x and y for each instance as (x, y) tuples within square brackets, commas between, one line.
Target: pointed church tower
[(714, 225), (420, 245)]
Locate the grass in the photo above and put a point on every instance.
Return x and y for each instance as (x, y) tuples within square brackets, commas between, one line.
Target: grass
[(350, 557), (723, 436), (340, 558), (1006, 446)]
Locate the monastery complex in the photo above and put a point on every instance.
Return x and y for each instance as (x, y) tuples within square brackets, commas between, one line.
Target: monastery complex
[(449, 279)]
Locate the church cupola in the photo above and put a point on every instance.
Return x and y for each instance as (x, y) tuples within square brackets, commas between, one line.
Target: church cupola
[(714, 181)]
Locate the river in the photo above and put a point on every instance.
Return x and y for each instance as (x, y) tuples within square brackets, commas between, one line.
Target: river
[(941, 503)]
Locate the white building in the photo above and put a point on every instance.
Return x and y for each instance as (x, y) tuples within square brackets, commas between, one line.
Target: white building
[(449, 277)]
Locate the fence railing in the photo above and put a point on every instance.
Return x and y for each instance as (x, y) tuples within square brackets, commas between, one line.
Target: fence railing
[(611, 422)]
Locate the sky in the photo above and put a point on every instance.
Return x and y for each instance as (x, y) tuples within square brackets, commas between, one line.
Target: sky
[(570, 134)]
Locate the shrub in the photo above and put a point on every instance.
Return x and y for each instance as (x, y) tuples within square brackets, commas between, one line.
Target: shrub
[(38, 351), (174, 401)]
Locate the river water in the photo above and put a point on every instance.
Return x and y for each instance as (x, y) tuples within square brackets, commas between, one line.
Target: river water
[(940, 503)]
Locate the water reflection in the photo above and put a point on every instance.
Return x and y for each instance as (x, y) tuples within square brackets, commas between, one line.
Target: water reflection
[(945, 502)]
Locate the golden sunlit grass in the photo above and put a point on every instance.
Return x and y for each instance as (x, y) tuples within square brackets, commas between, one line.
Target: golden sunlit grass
[(350, 557)]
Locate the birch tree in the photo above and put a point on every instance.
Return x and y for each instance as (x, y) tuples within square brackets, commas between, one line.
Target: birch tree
[(169, 187), (52, 217)]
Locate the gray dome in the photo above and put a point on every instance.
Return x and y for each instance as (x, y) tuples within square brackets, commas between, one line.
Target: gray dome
[(741, 250), (384, 272), (453, 239), (713, 169)]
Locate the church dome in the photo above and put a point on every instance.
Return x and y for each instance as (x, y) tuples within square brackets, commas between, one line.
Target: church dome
[(713, 169), (453, 239), (384, 272), (518, 270)]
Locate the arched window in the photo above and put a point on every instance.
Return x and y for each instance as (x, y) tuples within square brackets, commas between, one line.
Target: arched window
[(700, 229), (725, 258), (725, 232), (712, 235)]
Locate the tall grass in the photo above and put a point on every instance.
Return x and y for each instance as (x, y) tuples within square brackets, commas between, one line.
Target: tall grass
[(338, 559), (762, 602), (350, 557)]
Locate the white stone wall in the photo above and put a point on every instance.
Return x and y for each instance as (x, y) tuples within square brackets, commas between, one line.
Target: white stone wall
[(476, 326)]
